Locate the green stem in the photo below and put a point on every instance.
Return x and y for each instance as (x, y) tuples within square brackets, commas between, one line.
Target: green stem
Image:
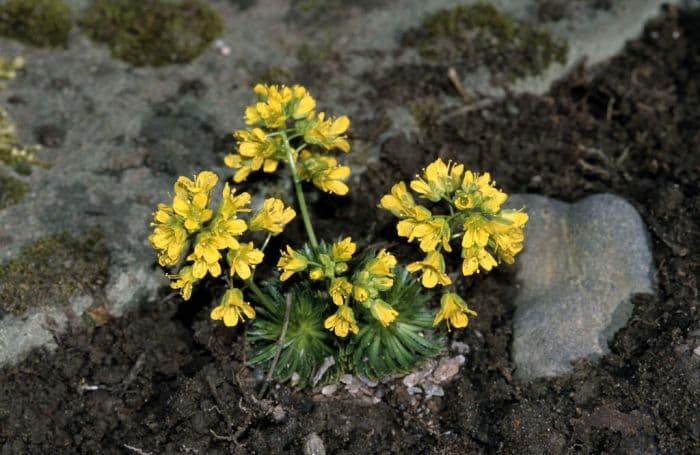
[(264, 298), (300, 195)]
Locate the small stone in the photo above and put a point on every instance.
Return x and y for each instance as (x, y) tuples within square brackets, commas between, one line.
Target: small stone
[(432, 390), (414, 390), (416, 377), (581, 264), (295, 378), (696, 351), (313, 445), (346, 379), (368, 382), (278, 413), (448, 368), (459, 347), (329, 389)]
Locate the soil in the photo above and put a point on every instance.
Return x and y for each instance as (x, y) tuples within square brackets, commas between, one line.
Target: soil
[(164, 379)]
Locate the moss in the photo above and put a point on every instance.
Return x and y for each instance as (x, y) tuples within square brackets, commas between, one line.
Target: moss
[(52, 270), (313, 56), (36, 22), (470, 36), (12, 191), (425, 110), (275, 75), (153, 32)]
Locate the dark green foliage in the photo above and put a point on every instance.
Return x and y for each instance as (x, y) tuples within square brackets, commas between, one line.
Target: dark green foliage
[(153, 32), (470, 36), (52, 270), (12, 191), (36, 22), (307, 343), (378, 351)]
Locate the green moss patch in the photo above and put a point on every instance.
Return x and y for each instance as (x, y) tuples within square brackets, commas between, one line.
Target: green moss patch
[(36, 22), (153, 32), (52, 270), (470, 36), (12, 191)]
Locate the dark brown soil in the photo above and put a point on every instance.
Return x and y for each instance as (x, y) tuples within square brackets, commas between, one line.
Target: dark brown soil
[(170, 381)]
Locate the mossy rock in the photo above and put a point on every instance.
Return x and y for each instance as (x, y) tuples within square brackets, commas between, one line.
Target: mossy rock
[(37, 22), (52, 270), (470, 36), (153, 32), (12, 191)]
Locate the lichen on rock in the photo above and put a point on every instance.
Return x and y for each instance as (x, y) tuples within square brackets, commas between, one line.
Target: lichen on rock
[(153, 32), (40, 23), (53, 270), (481, 35), (12, 191)]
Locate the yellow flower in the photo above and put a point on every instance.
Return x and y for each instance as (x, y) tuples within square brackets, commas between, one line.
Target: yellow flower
[(360, 292), (401, 204), (476, 232), (433, 268), (242, 258), (339, 290), (242, 166), (169, 237), (480, 187), (382, 264), (270, 111), (342, 251), (206, 255), (194, 210), (303, 104), (331, 180), (291, 262), (383, 312), (183, 280), (474, 258), (342, 322), (454, 311), (192, 198), (203, 183), (439, 179), (231, 203), (261, 150), (316, 273), (329, 134), (232, 308), (272, 217), (432, 232), (323, 172), (508, 235)]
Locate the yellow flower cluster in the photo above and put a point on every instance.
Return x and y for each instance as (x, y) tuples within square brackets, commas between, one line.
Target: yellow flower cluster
[(329, 264), (471, 210), (282, 126), (189, 224), (324, 172)]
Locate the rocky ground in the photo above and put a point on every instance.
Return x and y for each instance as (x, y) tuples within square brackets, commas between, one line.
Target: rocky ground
[(141, 371)]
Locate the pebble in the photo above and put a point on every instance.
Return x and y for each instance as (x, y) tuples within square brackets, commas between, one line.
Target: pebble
[(416, 377), (414, 390), (581, 264), (313, 445), (329, 389), (696, 351), (432, 390), (448, 368), (459, 347)]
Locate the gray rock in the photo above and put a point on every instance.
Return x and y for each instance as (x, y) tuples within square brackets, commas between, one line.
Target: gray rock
[(581, 264), (313, 445)]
